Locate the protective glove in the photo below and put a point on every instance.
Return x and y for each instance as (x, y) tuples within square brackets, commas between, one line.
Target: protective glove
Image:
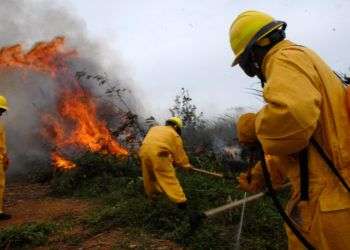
[(187, 167), (252, 182), (246, 129)]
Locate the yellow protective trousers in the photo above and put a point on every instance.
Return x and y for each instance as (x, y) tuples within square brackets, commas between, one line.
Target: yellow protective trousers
[(159, 174), (3, 164), (2, 187)]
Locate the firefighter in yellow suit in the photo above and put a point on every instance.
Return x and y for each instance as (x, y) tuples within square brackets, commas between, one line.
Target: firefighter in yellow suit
[(161, 149), (4, 162), (304, 100)]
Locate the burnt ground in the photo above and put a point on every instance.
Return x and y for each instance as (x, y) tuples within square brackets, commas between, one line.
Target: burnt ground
[(31, 203)]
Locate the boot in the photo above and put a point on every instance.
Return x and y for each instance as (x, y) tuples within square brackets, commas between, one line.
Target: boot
[(182, 205), (196, 219), (4, 216)]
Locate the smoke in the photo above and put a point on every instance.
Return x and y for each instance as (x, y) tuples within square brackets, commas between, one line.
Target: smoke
[(27, 22)]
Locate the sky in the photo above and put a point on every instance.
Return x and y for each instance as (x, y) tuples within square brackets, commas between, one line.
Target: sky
[(165, 44)]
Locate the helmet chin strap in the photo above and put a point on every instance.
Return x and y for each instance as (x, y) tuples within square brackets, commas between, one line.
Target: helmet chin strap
[(248, 64), (252, 58), (251, 67), (262, 79)]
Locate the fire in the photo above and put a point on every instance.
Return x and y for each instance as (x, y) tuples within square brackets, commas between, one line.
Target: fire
[(89, 133), (61, 163), (43, 57), (76, 123)]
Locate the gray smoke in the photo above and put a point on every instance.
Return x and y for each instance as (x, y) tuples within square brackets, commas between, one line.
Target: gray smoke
[(27, 22)]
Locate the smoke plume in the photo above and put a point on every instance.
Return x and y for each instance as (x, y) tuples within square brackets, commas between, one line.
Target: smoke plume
[(30, 93)]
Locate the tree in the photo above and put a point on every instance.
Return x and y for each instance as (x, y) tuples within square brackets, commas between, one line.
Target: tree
[(187, 111)]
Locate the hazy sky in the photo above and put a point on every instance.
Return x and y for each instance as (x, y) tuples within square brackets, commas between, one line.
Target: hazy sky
[(168, 44)]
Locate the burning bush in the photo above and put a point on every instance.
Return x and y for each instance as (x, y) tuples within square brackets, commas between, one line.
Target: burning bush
[(71, 125), (95, 170)]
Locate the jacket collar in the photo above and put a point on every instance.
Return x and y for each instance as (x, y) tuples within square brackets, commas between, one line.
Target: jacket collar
[(272, 51)]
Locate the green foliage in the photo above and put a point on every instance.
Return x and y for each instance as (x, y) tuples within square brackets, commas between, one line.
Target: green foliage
[(122, 203), (39, 172), (185, 109), (19, 237), (130, 209), (199, 134), (95, 172)]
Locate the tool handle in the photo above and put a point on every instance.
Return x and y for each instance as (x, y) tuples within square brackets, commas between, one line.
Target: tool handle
[(207, 172), (234, 204)]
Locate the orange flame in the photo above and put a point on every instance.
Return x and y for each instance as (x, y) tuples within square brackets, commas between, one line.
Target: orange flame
[(61, 163), (77, 124), (43, 57), (88, 133)]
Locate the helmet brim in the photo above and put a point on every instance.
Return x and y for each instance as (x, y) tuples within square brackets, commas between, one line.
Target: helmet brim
[(235, 62), (275, 25)]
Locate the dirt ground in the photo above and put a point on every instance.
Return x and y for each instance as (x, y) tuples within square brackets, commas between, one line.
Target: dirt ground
[(31, 203)]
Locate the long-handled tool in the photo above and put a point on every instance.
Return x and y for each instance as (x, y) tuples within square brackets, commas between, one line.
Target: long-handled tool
[(202, 171), (214, 174), (215, 211), (197, 219)]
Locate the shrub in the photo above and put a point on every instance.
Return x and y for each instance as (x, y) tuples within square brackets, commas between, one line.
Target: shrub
[(17, 237), (93, 170), (122, 203)]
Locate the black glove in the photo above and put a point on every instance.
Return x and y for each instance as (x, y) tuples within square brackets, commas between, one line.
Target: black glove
[(182, 205)]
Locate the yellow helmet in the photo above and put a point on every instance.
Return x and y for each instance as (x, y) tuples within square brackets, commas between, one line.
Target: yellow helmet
[(3, 102), (246, 128), (250, 27), (176, 120)]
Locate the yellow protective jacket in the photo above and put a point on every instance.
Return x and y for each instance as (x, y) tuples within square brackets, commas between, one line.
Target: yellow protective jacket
[(3, 162), (305, 98), (160, 150)]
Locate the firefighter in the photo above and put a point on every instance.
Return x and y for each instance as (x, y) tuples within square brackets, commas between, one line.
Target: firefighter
[(4, 162), (161, 149), (304, 127)]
